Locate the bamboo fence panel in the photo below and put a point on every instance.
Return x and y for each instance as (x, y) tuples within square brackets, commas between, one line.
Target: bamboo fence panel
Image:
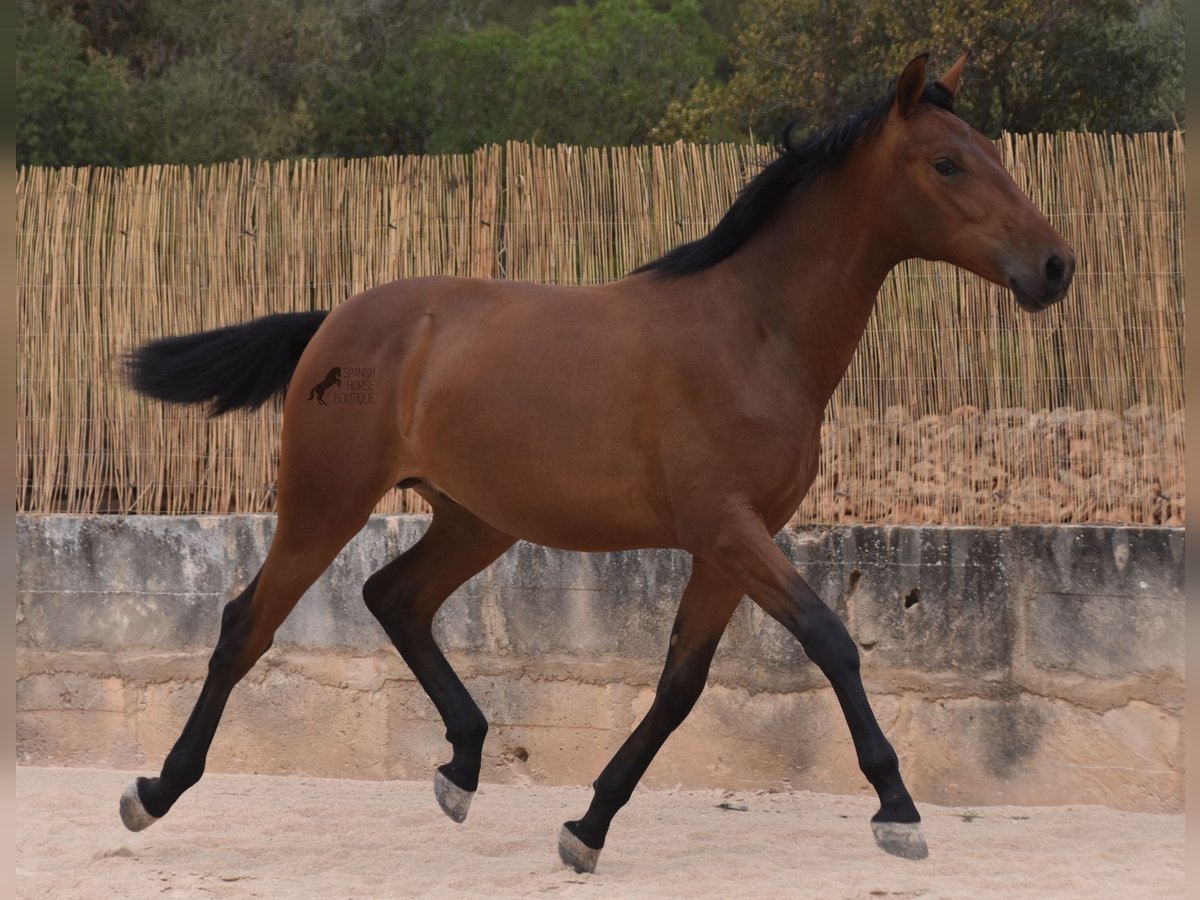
[(958, 408)]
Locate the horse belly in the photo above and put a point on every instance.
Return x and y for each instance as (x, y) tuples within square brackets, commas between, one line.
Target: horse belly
[(551, 495), (579, 528), (539, 472)]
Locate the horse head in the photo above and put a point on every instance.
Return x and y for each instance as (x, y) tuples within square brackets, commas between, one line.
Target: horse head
[(944, 194)]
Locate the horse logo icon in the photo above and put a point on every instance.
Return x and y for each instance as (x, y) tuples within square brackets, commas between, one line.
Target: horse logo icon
[(332, 379)]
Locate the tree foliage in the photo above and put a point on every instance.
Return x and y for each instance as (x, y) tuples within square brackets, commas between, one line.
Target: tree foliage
[(606, 73), (72, 107), (132, 81), (585, 74), (1036, 65)]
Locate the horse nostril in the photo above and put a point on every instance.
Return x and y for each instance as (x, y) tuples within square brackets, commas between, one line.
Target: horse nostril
[(1055, 270)]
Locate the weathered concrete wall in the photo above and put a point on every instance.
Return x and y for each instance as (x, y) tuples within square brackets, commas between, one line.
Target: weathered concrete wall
[(1017, 665)]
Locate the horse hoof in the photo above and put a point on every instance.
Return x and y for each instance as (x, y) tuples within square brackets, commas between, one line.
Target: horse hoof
[(575, 853), (133, 814), (903, 839), (453, 800)]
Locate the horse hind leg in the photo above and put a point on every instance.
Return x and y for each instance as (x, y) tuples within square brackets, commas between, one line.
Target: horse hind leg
[(315, 522), (704, 611), (404, 596)]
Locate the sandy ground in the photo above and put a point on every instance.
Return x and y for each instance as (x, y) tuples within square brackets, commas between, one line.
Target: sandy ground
[(297, 837)]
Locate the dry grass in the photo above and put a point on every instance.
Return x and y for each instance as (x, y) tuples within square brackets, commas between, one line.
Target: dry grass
[(958, 408)]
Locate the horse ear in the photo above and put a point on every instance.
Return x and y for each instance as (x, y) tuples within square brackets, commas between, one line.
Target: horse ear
[(953, 77), (910, 86)]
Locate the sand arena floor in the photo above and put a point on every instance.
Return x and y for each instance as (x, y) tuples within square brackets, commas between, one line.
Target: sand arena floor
[(300, 837)]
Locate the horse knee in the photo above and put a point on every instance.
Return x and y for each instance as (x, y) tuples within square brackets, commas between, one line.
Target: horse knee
[(239, 645), (468, 732)]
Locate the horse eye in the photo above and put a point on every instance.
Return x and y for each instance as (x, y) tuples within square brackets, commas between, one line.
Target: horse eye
[(945, 167)]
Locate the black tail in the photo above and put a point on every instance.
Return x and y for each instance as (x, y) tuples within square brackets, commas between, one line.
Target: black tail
[(239, 367)]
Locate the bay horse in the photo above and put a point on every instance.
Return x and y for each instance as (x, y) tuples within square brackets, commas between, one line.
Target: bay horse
[(678, 407)]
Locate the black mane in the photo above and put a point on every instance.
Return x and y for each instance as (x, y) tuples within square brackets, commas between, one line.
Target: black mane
[(795, 167)]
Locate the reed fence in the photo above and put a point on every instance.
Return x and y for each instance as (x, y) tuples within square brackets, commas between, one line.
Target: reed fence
[(958, 408)]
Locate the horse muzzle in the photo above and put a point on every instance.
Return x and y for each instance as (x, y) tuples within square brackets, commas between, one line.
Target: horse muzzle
[(1035, 292)]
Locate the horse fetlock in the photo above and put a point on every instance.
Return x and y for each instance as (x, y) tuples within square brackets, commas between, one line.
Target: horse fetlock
[(467, 737), (593, 827), (896, 806), (612, 790), (463, 770), (182, 769)]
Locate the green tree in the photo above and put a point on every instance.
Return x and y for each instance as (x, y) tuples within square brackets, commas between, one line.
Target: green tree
[(605, 73), (449, 93), (1036, 65), (599, 73), (72, 107), (1061, 66), (203, 110), (380, 113), (233, 80), (468, 86), (129, 81)]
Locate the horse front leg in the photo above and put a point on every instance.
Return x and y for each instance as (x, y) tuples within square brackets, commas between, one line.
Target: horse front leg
[(745, 553), (708, 603)]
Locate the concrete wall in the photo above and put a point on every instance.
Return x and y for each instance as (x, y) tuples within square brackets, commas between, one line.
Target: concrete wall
[(1020, 665)]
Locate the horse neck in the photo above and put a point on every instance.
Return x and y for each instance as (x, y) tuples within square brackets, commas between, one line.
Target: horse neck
[(815, 271)]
